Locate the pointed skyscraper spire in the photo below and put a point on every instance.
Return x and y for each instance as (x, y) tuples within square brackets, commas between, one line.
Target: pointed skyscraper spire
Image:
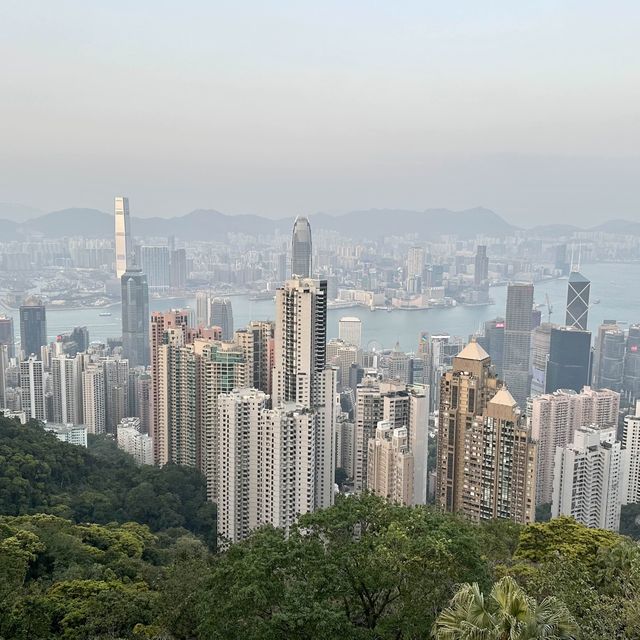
[(301, 249)]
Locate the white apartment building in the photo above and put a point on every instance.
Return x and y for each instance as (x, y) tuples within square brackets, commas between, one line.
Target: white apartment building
[(137, 444), (631, 443), (32, 382), (67, 389), (390, 464), (266, 465), (350, 330), (93, 395), (589, 481)]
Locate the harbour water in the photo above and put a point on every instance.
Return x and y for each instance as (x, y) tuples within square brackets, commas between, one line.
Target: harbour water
[(616, 286)]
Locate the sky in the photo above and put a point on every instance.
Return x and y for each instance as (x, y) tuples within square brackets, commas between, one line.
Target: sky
[(531, 109)]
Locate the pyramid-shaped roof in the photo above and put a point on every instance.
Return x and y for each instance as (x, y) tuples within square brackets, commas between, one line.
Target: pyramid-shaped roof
[(473, 351), (576, 276), (503, 397)]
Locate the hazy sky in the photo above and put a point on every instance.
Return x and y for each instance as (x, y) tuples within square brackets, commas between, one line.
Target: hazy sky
[(279, 108)]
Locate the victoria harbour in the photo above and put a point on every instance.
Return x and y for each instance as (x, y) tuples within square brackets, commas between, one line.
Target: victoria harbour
[(613, 286)]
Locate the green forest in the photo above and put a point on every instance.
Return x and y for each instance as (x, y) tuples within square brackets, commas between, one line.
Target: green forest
[(93, 547)]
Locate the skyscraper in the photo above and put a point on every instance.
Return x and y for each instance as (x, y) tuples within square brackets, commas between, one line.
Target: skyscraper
[(124, 241), (7, 336), (610, 374), (300, 372), (350, 330), (178, 275), (67, 390), (464, 393), (93, 395), (554, 419), (631, 381), (203, 309), (221, 315), (32, 385), (569, 365), (589, 479), (493, 342), (540, 349), (486, 458), (301, 249), (267, 463), (135, 317), (517, 341), (156, 265), (390, 462), (506, 486), (578, 301), (631, 443), (481, 272), (33, 327)]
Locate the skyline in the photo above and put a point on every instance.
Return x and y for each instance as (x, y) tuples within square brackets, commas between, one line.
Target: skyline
[(325, 108)]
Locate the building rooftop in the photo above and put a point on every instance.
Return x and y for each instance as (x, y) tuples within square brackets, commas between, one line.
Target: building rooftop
[(503, 397), (473, 351)]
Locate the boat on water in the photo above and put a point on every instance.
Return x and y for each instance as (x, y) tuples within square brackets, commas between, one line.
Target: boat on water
[(104, 314)]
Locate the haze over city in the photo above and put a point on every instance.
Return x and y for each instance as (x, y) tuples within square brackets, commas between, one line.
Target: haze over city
[(319, 320), (529, 109)]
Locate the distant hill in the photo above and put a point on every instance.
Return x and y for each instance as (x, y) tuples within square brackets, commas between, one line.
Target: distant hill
[(90, 223), (619, 226), (18, 212), (209, 224)]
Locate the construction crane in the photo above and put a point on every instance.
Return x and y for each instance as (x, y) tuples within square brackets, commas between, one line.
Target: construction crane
[(549, 307)]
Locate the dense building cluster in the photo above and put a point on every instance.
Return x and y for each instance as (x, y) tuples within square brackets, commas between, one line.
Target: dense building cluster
[(278, 418)]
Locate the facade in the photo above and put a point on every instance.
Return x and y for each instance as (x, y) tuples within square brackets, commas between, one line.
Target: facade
[(32, 381), (124, 240), (4, 363), (266, 463), (577, 301), (554, 419), (203, 309), (631, 379), (517, 341), (178, 271), (156, 264), (116, 380), (93, 396), (481, 271), (67, 390), (301, 249), (631, 443), (350, 330), (75, 434), (464, 394), (342, 355), (611, 357), (257, 344), (493, 342), (221, 315), (135, 317), (7, 336), (569, 365), (132, 441), (390, 464), (33, 327), (540, 350), (506, 486), (589, 480)]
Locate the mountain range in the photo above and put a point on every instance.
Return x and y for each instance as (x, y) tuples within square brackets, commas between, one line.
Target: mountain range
[(211, 224)]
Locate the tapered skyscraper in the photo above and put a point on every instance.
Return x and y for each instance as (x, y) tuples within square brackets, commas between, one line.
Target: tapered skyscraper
[(301, 249), (578, 301), (124, 244)]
